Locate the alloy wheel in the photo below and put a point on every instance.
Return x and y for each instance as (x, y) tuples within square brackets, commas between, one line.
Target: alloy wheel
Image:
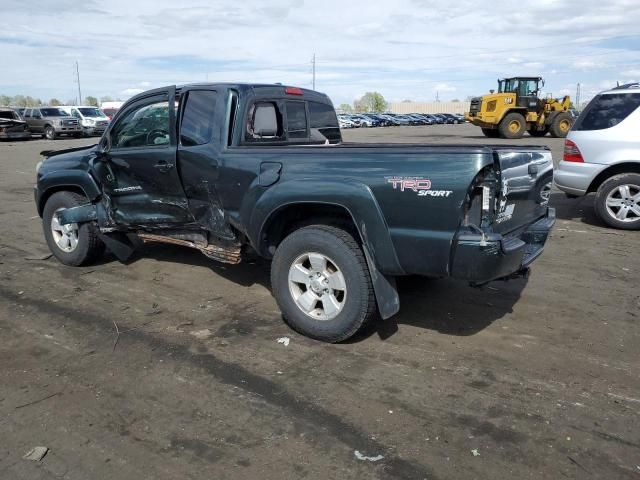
[(317, 286)]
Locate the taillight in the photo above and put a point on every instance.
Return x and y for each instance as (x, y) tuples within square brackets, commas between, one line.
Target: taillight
[(571, 152)]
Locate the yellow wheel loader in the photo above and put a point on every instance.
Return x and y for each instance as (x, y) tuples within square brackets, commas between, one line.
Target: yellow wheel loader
[(517, 107)]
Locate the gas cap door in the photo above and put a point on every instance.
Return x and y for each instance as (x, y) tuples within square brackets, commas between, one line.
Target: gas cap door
[(269, 173)]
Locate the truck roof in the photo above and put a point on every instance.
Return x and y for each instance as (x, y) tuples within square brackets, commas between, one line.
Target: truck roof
[(271, 90)]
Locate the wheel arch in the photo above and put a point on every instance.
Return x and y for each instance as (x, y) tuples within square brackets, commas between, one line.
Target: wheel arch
[(78, 182), (616, 169), (355, 209)]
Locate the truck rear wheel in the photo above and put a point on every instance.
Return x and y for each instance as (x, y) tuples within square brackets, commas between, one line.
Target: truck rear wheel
[(490, 132), (512, 125), (561, 125), (321, 282), (73, 244)]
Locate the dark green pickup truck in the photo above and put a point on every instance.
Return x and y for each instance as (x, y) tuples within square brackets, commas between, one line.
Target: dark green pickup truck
[(236, 169)]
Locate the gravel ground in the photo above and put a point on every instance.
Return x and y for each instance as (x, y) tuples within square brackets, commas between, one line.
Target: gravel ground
[(534, 378)]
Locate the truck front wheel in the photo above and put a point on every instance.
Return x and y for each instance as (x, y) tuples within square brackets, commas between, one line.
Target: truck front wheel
[(50, 132), (512, 126), (321, 282), (72, 244)]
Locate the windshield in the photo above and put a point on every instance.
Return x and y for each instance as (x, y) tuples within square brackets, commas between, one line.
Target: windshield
[(53, 112), (520, 86), (9, 114), (91, 112)]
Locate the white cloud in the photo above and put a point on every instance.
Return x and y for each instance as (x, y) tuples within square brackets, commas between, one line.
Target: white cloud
[(403, 49), (584, 64), (130, 92), (444, 87)]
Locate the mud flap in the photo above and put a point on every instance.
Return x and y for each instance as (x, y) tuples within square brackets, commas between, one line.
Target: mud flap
[(384, 288), (119, 244)]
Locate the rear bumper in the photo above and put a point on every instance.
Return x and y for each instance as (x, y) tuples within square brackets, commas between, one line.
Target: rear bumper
[(576, 177), (480, 261)]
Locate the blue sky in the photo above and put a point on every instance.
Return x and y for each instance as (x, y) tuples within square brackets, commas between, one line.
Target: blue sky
[(405, 49)]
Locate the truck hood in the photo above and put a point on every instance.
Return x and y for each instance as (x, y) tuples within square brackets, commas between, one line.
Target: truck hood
[(68, 117), (69, 158)]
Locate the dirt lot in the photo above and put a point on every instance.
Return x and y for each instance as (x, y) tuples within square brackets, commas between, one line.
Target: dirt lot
[(540, 378)]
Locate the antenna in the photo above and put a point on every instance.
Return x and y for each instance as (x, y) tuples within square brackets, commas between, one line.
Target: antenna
[(313, 71), (78, 80)]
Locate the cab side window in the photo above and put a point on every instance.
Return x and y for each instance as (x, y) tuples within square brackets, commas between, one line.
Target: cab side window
[(196, 127), (264, 123), (323, 123), (75, 113), (145, 125), (296, 121)]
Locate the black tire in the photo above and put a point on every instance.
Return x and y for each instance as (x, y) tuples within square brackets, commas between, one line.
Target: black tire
[(561, 124), (490, 132), (538, 133), (342, 249), (89, 246), (50, 133), (609, 186), (513, 125)]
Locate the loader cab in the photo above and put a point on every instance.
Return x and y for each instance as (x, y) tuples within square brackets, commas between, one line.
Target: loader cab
[(526, 90)]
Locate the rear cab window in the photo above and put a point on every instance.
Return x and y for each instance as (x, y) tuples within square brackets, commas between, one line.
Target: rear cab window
[(607, 110), (291, 122)]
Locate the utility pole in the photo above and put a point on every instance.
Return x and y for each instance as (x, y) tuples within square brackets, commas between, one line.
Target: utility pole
[(313, 71), (577, 104), (78, 80)]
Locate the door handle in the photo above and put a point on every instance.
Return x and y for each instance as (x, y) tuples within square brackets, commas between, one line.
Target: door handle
[(163, 166)]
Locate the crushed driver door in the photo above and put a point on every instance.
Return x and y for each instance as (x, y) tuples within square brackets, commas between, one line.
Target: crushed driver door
[(137, 165)]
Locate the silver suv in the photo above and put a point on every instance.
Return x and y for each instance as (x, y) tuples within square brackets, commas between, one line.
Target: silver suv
[(602, 155), (51, 122)]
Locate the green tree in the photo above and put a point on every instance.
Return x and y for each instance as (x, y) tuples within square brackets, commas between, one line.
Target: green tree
[(345, 107), (32, 102), (372, 102), (93, 101), (455, 100), (5, 100), (19, 101), (105, 98), (54, 102)]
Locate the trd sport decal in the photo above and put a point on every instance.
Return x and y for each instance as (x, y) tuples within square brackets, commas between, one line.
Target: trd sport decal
[(419, 185)]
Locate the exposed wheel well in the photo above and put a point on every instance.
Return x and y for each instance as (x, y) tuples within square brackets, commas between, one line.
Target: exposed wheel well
[(292, 217), (61, 188), (629, 167)]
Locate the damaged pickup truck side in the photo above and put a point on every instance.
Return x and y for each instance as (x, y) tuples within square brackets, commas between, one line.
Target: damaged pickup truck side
[(236, 169)]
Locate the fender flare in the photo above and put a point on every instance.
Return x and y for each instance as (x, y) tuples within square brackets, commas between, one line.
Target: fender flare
[(358, 200), (59, 180)]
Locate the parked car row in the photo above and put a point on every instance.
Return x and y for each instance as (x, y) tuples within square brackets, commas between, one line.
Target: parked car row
[(357, 120), (51, 122)]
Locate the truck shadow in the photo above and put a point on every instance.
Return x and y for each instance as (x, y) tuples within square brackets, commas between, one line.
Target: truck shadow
[(447, 306)]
